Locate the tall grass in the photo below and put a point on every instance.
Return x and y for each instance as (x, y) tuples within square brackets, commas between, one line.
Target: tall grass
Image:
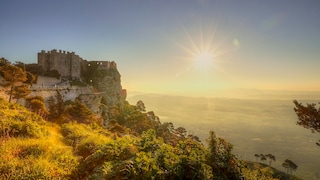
[(30, 147), (17, 121), (29, 158)]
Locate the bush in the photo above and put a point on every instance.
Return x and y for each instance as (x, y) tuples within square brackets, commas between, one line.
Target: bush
[(81, 113), (84, 139)]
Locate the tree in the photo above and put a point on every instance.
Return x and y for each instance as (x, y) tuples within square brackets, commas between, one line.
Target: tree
[(36, 104), (165, 131), (286, 166), (31, 79), (55, 105), (81, 113), (13, 76), (52, 107), (21, 91), (308, 116), (148, 142), (60, 102), (140, 106), (4, 62), (262, 158), (20, 65), (181, 132), (223, 163), (271, 158), (194, 137), (289, 166), (257, 157)]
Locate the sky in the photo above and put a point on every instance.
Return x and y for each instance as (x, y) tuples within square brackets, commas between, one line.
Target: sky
[(184, 47)]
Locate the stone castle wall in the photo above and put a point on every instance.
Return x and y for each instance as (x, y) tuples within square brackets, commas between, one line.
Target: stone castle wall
[(72, 66), (46, 81), (67, 63)]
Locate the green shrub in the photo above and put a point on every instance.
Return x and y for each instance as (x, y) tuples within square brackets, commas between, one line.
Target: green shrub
[(85, 139)]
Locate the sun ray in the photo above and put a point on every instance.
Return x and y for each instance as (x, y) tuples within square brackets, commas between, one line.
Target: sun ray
[(188, 50), (203, 49), (191, 41)]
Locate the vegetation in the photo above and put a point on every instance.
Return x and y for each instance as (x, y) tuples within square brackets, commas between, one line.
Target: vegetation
[(14, 76), (88, 71), (55, 106), (69, 141), (4, 61), (308, 117), (53, 73), (37, 105), (265, 157), (32, 148), (35, 69), (260, 171), (289, 166)]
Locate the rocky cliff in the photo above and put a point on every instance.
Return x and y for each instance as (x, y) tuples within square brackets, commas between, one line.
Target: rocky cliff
[(99, 89), (108, 84), (102, 75)]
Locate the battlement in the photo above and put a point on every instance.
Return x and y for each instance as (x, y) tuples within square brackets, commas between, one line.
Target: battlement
[(69, 64), (55, 51)]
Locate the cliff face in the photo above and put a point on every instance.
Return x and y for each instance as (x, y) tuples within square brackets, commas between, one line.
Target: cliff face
[(102, 75), (108, 84), (106, 93), (102, 80)]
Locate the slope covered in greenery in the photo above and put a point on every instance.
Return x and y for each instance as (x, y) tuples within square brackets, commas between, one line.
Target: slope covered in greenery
[(135, 145), (30, 147)]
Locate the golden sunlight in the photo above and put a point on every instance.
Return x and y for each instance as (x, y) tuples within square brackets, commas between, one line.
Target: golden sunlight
[(203, 61), (202, 49)]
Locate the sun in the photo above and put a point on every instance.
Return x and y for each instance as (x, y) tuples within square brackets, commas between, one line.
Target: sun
[(202, 50), (203, 60)]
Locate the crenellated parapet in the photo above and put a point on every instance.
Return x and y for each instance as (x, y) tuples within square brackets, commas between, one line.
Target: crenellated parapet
[(55, 51), (69, 64)]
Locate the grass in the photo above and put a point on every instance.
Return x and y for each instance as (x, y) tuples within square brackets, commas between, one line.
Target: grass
[(37, 158)]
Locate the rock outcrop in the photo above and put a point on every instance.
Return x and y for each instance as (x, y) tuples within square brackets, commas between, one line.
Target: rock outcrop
[(108, 84), (101, 82)]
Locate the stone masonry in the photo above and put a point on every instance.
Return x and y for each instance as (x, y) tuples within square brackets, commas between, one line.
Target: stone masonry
[(67, 63), (105, 76)]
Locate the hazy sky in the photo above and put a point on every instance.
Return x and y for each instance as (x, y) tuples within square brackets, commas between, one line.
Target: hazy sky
[(176, 46)]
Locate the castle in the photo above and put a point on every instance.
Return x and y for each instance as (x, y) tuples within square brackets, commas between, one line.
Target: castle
[(69, 64), (102, 75)]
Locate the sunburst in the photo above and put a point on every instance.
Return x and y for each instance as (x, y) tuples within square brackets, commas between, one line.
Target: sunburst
[(202, 50)]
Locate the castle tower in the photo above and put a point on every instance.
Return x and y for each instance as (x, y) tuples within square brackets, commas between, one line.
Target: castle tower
[(68, 64)]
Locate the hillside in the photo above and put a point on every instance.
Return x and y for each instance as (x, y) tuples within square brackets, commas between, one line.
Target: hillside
[(56, 137), (251, 125), (135, 146), (31, 147), (263, 168)]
